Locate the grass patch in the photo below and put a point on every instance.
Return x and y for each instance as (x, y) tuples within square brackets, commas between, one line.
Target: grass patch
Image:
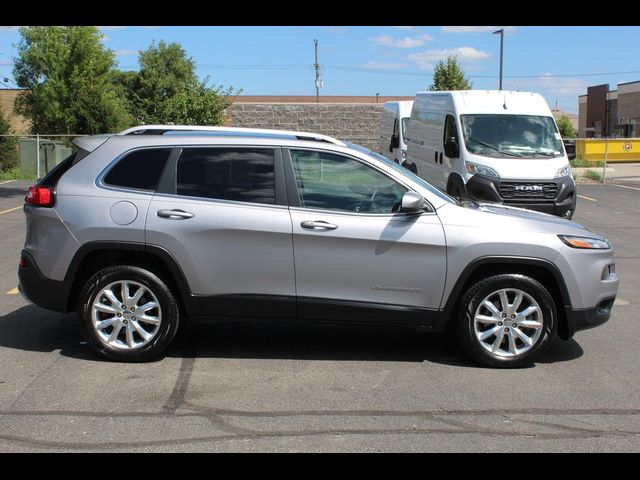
[(580, 163), (13, 174), (592, 175)]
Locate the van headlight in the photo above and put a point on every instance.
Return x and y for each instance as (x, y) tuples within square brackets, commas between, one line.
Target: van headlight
[(585, 242), (475, 169), (564, 171)]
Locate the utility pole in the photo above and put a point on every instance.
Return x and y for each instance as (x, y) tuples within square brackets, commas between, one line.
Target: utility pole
[(317, 67), (501, 32)]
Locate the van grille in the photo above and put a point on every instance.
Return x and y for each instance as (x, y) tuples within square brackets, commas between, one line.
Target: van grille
[(530, 190)]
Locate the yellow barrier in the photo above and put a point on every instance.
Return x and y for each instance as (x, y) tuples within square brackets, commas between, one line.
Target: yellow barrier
[(618, 149)]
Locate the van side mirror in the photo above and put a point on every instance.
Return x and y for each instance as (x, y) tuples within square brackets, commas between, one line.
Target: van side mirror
[(570, 147), (412, 202), (395, 142), (451, 148)]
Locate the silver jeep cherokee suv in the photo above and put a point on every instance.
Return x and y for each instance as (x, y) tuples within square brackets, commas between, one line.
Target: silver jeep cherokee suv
[(141, 230)]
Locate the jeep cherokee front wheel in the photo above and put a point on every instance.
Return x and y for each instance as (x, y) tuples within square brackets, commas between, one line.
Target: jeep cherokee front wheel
[(128, 314), (506, 320)]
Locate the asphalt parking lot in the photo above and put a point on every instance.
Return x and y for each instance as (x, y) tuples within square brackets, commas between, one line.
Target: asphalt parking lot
[(236, 388)]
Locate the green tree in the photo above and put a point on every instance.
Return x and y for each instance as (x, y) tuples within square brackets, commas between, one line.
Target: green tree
[(565, 127), (166, 90), (70, 80), (449, 76), (8, 146)]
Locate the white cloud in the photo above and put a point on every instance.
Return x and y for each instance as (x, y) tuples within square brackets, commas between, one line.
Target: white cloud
[(426, 60), (471, 29), (406, 42), (384, 65), (550, 84), (405, 28), (9, 29), (338, 30), (121, 53)]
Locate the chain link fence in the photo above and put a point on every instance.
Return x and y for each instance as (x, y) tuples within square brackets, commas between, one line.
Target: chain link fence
[(33, 156)]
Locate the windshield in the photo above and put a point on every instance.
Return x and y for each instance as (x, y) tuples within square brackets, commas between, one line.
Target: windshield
[(405, 120), (406, 172), (513, 136)]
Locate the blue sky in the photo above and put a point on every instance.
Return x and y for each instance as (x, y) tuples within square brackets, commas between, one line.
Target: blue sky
[(558, 62)]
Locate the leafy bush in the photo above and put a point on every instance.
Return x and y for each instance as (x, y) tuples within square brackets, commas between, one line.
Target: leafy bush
[(592, 175)]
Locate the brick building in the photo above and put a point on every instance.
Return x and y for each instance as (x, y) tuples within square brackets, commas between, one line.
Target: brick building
[(610, 113), (19, 124)]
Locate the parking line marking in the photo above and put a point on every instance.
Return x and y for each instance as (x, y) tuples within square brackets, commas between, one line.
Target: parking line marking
[(587, 198), (13, 291), (6, 181), (625, 186), (11, 209)]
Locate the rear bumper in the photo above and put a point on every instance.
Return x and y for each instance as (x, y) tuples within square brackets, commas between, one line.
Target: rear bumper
[(38, 289), (487, 189), (578, 320)]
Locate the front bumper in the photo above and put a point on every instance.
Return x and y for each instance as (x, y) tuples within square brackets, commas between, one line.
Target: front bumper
[(38, 289), (561, 201), (578, 320)]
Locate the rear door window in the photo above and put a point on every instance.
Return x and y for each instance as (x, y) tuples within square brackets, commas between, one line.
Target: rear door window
[(140, 169), (237, 174)]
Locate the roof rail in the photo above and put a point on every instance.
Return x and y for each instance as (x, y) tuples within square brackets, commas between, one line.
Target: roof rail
[(162, 129)]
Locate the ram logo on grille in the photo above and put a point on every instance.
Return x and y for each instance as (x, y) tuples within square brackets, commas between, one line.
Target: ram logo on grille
[(528, 188)]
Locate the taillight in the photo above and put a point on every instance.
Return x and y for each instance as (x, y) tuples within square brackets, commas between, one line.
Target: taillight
[(40, 196)]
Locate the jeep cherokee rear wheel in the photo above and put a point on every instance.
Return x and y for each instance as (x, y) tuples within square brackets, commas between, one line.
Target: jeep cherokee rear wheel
[(128, 314), (506, 320)]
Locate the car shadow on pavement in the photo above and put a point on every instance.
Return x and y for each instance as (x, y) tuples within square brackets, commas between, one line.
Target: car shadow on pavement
[(32, 328)]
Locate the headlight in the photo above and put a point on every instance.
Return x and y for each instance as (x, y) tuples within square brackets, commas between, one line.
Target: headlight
[(474, 169), (585, 242), (564, 171), (404, 154)]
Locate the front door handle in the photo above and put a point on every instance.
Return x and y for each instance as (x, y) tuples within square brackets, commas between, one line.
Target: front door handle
[(318, 225), (175, 214)]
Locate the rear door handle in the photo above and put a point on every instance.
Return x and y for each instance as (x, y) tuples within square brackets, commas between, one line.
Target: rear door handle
[(318, 225), (175, 214)]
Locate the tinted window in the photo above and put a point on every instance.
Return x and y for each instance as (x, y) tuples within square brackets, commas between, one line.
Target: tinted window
[(335, 182), (243, 175), (139, 169), (450, 130)]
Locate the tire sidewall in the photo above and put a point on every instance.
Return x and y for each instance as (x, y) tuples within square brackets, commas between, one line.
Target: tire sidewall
[(485, 287), (168, 325)]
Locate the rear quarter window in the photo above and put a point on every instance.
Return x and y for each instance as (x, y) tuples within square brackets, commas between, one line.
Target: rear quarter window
[(140, 169)]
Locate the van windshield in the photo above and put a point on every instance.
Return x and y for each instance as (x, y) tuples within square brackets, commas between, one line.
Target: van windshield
[(513, 136)]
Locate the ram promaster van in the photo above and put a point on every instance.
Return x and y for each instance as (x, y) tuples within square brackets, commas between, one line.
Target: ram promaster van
[(492, 146), (393, 125)]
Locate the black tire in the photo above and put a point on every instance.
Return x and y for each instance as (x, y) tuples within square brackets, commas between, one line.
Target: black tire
[(455, 188), (170, 316), (465, 324)]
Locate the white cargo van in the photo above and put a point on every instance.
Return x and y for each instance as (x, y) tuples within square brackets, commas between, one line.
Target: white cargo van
[(393, 125), (491, 146)]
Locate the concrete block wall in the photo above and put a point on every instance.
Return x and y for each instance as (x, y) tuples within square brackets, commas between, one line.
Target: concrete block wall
[(358, 123)]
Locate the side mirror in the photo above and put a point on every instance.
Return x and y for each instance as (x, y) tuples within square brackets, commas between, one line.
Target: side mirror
[(412, 202), (570, 148), (395, 142), (451, 148)]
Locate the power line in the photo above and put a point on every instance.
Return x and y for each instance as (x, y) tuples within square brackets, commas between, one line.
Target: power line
[(377, 71)]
